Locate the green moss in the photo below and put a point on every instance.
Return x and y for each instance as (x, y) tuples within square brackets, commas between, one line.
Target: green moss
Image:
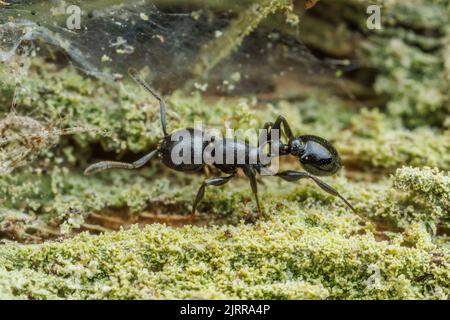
[(374, 142), (413, 66), (308, 246), (428, 188), (281, 257)]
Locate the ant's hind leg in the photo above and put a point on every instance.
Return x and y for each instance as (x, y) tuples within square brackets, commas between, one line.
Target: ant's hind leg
[(100, 166), (250, 173), (209, 182), (296, 175)]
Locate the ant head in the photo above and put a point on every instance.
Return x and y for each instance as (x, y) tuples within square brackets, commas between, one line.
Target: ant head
[(317, 156)]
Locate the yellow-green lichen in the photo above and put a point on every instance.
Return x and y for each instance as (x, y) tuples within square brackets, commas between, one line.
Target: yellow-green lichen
[(281, 257)]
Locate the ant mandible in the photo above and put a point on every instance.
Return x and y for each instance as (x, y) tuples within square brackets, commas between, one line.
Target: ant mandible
[(317, 156)]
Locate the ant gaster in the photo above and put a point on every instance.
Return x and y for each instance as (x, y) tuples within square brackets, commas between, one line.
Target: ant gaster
[(318, 156)]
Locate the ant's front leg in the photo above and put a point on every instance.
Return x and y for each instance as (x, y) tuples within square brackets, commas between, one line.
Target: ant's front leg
[(282, 126), (218, 181), (296, 175), (281, 121), (100, 166), (265, 137)]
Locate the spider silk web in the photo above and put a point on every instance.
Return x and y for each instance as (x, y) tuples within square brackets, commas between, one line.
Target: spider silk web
[(163, 37)]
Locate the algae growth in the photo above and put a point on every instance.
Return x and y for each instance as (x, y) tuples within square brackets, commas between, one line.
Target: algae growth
[(127, 234)]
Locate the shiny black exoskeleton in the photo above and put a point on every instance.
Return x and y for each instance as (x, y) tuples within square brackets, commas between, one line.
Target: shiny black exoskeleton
[(317, 156)]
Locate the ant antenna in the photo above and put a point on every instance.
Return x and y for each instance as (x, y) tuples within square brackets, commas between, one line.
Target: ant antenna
[(162, 105)]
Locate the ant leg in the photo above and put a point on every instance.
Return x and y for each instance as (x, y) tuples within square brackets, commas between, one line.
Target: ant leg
[(267, 125), (281, 121), (250, 173), (100, 166), (296, 175), (162, 105), (264, 136), (218, 181)]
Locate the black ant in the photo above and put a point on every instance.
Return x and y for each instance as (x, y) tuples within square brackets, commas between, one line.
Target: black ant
[(318, 156)]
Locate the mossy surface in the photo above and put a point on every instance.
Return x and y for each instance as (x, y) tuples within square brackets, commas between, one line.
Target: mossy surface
[(127, 234), (289, 255)]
